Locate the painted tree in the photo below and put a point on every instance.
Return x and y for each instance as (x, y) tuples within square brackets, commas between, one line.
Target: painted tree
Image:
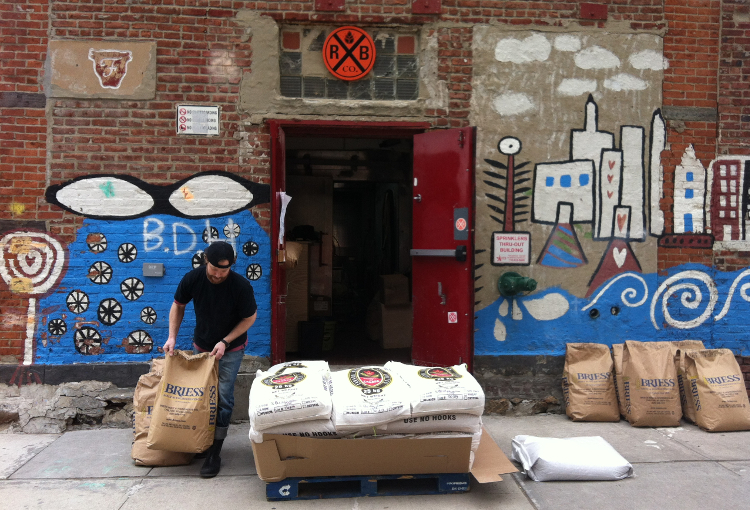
[(510, 182)]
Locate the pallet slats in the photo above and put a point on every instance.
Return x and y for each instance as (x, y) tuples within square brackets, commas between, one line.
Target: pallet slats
[(325, 487)]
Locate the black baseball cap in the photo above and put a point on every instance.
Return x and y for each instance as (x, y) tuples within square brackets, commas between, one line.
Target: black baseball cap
[(218, 251)]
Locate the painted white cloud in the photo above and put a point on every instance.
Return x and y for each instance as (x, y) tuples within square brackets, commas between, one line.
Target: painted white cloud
[(567, 43), (521, 51), (512, 103), (576, 87), (550, 307), (648, 59), (624, 81), (596, 57)]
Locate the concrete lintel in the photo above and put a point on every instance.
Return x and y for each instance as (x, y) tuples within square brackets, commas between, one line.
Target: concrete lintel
[(689, 113)]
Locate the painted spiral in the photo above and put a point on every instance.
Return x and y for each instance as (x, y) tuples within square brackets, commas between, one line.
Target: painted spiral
[(31, 262), (690, 295), (627, 294)]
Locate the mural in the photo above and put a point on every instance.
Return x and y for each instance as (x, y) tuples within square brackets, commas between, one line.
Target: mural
[(587, 110), (105, 308), (689, 303)]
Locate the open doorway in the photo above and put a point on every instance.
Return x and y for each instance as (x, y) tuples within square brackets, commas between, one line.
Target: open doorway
[(349, 227)]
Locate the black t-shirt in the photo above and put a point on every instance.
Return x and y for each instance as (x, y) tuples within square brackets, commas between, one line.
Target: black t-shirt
[(218, 307)]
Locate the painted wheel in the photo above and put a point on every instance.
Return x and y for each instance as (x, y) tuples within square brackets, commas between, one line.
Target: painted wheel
[(127, 253), (139, 342), (97, 242), (148, 315), (88, 341), (254, 272), (212, 234), (132, 289), (250, 248), (109, 312), (100, 273), (57, 327), (232, 231), (77, 301), (197, 260)]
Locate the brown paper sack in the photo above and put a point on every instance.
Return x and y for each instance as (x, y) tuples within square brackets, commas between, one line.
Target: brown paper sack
[(588, 384), (652, 398), (718, 390), (143, 404), (686, 400), (184, 416), (617, 359)]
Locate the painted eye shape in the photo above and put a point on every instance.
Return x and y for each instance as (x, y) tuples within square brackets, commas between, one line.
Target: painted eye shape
[(509, 146), (104, 196), (210, 195)]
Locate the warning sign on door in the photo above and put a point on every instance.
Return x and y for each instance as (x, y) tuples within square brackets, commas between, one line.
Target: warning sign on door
[(511, 248), (452, 317)]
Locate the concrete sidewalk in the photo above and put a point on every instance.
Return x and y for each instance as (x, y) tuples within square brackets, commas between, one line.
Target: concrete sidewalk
[(682, 468)]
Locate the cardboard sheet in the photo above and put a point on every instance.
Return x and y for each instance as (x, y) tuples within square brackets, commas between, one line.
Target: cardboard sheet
[(279, 457)]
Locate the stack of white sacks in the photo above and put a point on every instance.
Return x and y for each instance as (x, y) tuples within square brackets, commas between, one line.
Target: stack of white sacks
[(306, 399)]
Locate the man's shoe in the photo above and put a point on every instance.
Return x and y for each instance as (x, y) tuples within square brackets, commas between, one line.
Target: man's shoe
[(212, 465)]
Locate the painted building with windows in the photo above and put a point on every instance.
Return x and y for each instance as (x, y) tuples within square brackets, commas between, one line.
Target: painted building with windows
[(596, 148)]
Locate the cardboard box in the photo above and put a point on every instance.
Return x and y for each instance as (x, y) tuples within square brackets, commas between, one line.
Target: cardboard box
[(279, 457), (394, 290), (395, 326)]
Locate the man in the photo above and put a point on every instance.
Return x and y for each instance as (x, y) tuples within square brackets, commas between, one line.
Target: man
[(224, 310)]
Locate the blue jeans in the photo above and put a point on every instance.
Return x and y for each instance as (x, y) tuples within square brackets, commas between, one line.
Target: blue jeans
[(229, 366)]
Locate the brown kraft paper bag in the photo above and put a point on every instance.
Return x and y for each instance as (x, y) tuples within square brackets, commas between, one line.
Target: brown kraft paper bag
[(184, 415), (686, 400), (617, 359), (652, 398), (143, 404), (588, 383), (718, 391)]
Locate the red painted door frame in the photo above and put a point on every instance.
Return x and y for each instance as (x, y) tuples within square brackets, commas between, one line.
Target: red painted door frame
[(279, 129)]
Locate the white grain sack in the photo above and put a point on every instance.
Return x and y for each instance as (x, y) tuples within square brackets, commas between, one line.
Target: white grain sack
[(368, 397), (297, 391), (318, 429), (441, 389), (443, 422)]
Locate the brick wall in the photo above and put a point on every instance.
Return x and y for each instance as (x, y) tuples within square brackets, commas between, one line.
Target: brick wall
[(23, 129)]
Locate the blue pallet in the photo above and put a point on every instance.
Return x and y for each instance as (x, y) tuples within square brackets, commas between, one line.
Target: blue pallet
[(324, 487)]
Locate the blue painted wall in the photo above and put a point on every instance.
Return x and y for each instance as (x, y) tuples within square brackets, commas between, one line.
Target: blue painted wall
[(96, 270), (700, 303)]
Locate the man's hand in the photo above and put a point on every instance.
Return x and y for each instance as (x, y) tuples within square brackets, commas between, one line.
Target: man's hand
[(169, 347), (219, 350)]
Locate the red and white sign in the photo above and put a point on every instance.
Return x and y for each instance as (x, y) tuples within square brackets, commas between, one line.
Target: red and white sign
[(461, 224), (452, 317), (512, 248)]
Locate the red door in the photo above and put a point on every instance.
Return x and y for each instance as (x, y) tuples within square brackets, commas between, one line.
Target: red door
[(442, 247)]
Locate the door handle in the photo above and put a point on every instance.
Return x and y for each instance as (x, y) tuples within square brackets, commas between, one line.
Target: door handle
[(418, 198), (440, 293), (460, 253)]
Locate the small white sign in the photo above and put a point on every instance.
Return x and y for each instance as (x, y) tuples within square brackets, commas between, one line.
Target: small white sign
[(452, 317), (197, 120), (513, 248)]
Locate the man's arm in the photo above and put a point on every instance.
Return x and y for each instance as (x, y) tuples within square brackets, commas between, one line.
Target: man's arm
[(176, 313), (240, 328)]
